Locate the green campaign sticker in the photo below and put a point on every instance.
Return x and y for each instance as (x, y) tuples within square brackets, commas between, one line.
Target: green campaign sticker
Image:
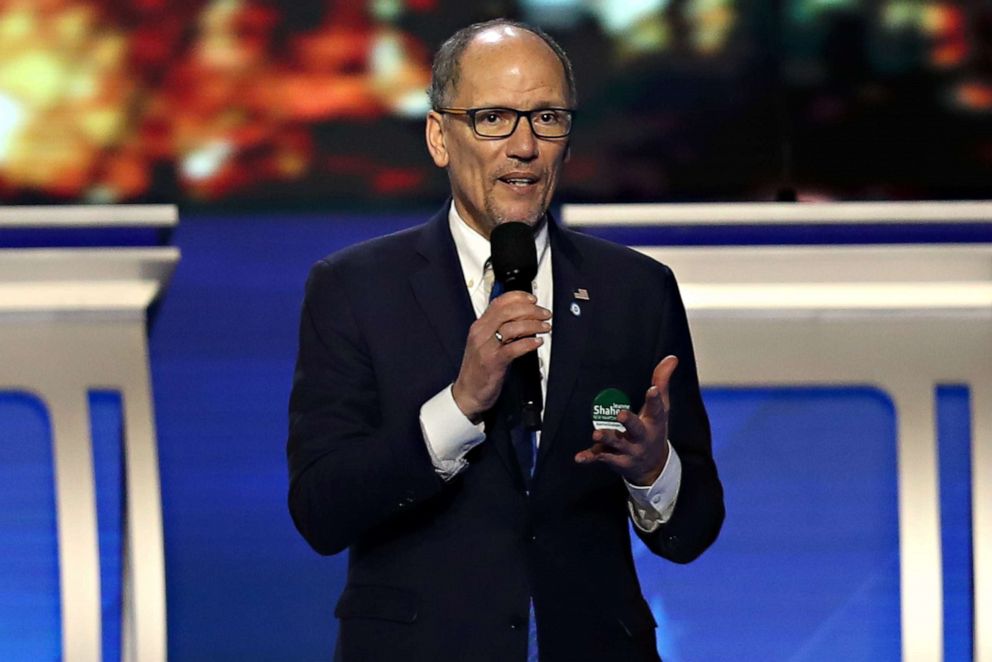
[(605, 408)]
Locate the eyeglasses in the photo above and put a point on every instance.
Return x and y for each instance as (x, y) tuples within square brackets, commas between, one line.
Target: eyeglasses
[(502, 122)]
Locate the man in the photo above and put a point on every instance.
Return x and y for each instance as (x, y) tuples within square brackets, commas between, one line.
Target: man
[(401, 432)]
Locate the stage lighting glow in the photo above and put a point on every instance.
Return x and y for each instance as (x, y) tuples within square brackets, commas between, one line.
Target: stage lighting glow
[(713, 20), (218, 100), (618, 17), (11, 118), (207, 160)]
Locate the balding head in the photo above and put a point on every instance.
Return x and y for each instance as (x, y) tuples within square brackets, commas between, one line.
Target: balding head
[(447, 61)]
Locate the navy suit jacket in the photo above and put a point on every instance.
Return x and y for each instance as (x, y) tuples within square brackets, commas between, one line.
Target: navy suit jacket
[(446, 570)]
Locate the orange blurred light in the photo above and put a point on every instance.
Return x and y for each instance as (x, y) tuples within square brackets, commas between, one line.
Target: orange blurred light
[(946, 26), (975, 95)]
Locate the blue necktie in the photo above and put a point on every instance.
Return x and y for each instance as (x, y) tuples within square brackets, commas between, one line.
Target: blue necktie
[(525, 448), (523, 441)]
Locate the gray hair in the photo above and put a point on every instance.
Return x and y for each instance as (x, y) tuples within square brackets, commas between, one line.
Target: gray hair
[(445, 70)]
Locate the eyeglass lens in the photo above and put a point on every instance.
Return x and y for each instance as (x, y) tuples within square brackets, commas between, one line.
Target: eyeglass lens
[(501, 122)]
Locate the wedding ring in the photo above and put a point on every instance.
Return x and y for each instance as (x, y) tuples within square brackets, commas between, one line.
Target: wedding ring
[(499, 337)]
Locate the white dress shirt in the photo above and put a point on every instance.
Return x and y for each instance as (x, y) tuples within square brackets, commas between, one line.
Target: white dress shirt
[(450, 435)]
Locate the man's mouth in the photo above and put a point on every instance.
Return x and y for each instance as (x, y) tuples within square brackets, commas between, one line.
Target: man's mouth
[(519, 180)]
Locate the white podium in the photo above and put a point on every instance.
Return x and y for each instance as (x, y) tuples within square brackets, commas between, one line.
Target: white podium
[(904, 318), (73, 320)]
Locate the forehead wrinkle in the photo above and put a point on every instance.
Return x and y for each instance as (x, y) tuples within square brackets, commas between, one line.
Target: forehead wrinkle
[(478, 61), (540, 96)]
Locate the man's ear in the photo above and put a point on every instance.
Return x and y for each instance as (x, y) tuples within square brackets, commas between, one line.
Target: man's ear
[(434, 133)]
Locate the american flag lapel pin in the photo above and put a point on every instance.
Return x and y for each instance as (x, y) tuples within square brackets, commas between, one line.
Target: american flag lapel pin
[(581, 294)]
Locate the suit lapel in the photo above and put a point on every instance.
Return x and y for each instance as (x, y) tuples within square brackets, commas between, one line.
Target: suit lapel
[(439, 288), (569, 339)]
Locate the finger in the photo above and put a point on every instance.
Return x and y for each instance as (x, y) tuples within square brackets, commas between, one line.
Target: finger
[(484, 329), (523, 328), (662, 376), (491, 322), (654, 408), (612, 440), (636, 431), (514, 349), (618, 462), (515, 305), (591, 454), (513, 296)]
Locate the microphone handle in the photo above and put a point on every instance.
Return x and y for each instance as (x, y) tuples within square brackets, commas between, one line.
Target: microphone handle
[(528, 373), (530, 390)]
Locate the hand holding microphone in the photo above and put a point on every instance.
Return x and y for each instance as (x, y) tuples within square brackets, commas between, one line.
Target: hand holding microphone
[(506, 332)]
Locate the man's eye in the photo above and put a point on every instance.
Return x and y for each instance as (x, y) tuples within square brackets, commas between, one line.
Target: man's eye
[(491, 117), (548, 117)]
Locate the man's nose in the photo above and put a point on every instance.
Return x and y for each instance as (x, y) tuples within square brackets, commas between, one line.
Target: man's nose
[(522, 143)]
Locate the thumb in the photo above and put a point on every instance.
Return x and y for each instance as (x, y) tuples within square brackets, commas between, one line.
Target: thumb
[(662, 376)]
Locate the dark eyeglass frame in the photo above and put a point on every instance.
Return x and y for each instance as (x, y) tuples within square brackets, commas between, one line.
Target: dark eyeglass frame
[(529, 114)]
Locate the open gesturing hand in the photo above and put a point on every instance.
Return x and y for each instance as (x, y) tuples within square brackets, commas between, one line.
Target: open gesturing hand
[(638, 454)]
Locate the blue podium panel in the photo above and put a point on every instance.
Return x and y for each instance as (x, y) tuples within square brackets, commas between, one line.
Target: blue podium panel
[(30, 624), (954, 436), (106, 430), (807, 565)]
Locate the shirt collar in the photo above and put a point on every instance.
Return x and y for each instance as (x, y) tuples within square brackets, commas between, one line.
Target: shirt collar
[(473, 248)]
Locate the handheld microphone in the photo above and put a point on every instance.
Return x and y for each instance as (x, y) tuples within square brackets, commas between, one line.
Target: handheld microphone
[(514, 260)]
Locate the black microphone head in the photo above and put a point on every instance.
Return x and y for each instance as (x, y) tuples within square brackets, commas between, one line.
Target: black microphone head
[(514, 255)]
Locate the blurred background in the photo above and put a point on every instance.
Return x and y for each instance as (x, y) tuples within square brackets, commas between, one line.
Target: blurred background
[(287, 130), (320, 103)]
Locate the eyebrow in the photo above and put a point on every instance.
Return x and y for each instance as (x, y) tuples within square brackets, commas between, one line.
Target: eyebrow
[(537, 106)]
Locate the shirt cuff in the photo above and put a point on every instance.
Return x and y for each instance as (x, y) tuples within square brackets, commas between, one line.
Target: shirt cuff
[(448, 433), (653, 505)]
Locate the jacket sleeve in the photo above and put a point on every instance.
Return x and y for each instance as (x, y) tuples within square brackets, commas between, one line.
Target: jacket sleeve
[(699, 508), (351, 468)]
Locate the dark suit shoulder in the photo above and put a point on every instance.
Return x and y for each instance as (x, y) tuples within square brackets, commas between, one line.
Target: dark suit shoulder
[(374, 265), (392, 250), (357, 277)]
